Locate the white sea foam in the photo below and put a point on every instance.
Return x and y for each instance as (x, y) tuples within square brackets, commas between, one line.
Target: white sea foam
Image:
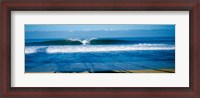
[(104, 48), (32, 49), (84, 41)]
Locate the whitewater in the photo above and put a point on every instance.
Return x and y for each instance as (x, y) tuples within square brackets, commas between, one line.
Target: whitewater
[(96, 48)]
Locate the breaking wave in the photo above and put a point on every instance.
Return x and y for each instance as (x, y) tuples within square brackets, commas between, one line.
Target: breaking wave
[(33, 49), (96, 48), (92, 41)]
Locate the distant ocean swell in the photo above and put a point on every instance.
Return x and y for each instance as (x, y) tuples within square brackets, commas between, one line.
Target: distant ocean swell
[(95, 48)]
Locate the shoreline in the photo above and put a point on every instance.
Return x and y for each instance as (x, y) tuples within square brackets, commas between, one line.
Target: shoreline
[(118, 71), (151, 71)]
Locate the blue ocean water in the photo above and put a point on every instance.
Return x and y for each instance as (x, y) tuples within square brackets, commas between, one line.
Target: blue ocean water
[(101, 55)]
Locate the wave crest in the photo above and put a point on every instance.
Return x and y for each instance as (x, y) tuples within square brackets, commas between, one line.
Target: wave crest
[(72, 41), (101, 48), (96, 48), (84, 41)]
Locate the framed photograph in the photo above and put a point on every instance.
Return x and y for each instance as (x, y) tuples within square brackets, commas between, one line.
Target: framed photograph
[(120, 48)]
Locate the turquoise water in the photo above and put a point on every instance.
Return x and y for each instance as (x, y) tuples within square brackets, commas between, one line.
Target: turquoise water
[(99, 55)]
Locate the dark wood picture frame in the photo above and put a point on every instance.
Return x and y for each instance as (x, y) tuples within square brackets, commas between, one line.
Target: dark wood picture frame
[(193, 91)]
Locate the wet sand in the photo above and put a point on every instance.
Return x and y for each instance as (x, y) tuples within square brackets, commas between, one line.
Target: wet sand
[(148, 71)]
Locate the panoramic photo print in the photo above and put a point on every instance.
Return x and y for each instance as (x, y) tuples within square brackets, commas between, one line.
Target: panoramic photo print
[(99, 48)]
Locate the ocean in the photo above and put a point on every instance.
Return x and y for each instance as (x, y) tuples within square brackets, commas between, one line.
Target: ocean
[(100, 55)]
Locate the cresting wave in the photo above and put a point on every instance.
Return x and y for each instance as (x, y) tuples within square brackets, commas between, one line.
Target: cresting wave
[(96, 48), (84, 42), (92, 41)]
